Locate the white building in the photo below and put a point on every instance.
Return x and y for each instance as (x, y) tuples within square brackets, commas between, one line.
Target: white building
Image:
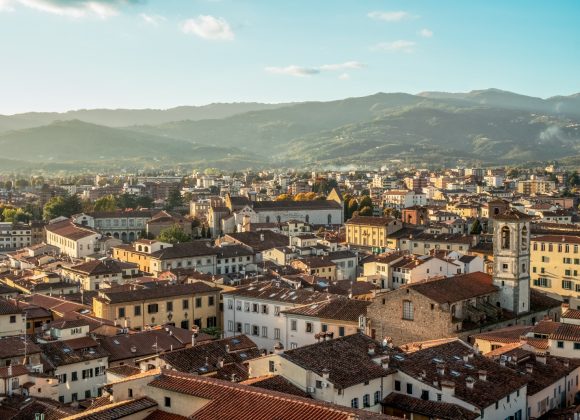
[(402, 199), (71, 239)]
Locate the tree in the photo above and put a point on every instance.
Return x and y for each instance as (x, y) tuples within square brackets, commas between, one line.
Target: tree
[(352, 207), (107, 203), (366, 211), (22, 183), (174, 199), (365, 201), (284, 197), (476, 228), (62, 206), (173, 235), (300, 197)]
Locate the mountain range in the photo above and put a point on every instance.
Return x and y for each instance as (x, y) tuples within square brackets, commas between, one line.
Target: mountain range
[(431, 128)]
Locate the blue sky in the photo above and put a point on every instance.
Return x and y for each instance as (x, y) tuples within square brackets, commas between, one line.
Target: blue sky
[(57, 55)]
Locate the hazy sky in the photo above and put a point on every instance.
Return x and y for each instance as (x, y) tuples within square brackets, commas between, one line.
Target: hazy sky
[(57, 55)]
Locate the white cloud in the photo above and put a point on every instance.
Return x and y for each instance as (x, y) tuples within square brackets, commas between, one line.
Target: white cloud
[(396, 46), (302, 71), (72, 8), (6, 6), (209, 27), (395, 16), (154, 20), (296, 71), (426, 33), (342, 66)]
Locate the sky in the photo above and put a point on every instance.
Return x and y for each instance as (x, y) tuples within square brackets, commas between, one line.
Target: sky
[(58, 55)]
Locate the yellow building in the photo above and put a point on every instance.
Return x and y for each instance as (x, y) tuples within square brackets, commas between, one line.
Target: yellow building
[(555, 266), (182, 305), (371, 231), (316, 266)]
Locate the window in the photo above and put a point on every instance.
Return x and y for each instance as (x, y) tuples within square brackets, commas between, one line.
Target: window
[(567, 284), (211, 322), (169, 306), (230, 304), (265, 309), (576, 346), (185, 304), (167, 401), (277, 333), (409, 388), (264, 331), (198, 302), (354, 403), (231, 326), (12, 319), (88, 393), (247, 306), (246, 328), (377, 397), (152, 308), (439, 397), (293, 325), (541, 282), (271, 366), (341, 331), (74, 376), (425, 394), (366, 400), (238, 306), (255, 307), (309, 327), (324, 327), (560, 344), (87, 373), (137, 310), (276, 311), (397, 385), (211, 300), (408, 310), (75, 396), (238, 327), (293, 346), (130, 393), (255, 330), (504, 267)]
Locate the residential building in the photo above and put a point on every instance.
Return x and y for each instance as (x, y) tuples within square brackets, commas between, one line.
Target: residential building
[(368, 231), (92, 274), (140, 307), (71, 239), (11, 319), (14, 236), (124, 225)]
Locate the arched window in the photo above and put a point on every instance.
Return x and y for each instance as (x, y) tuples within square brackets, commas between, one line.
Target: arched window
[(505, 237), (140, 248), (267, 219), (496, 211), (524, 238), (307, 218), (279, 219), (330, 219)]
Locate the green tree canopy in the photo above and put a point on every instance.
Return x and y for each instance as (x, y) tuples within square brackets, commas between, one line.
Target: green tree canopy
[(174, 234), (174, 199), (62, 206), (107, 203)]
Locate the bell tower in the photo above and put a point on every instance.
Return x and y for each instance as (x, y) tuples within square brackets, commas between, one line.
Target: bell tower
[(511, 260)]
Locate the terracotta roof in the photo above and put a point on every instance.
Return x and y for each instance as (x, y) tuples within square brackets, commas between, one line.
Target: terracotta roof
[(98, 267), (205, 357), (240, 402), (341, 309), (456, 288), (346, 359), (117, 410), (430, 409), (59, 353), (17, 370), (512, 214), (164, 415), (564, 239), (567, 332), (14, 346), (254, 239), (571, 314), (70, 230), (124, 371), (185, 249), (276, 383), (270, 291), (156, 292), (500, 381), (8, 308), (295, 205), (370, 221), (144, 343)]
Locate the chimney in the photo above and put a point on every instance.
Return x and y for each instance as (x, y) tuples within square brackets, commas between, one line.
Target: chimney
[(471, 355), (465, 358), (502, 362), (385, 362), (371, 350), (261, 237), (220, 362), (448, 387), (529, 368), (482, 375), (192, 340), (9, 371), (325, 373), (541, 358), (278, 348), (227, 348), (133, 349), (440, 369), (566, 363), (469, 382)]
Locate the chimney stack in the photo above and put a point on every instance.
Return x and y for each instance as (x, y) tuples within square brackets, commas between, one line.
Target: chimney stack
[(325, 373), (440, 369), (385, 362), (482, 375), (371, 350), (541, 358), (469, 382), (448, 387), (529, 368)]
